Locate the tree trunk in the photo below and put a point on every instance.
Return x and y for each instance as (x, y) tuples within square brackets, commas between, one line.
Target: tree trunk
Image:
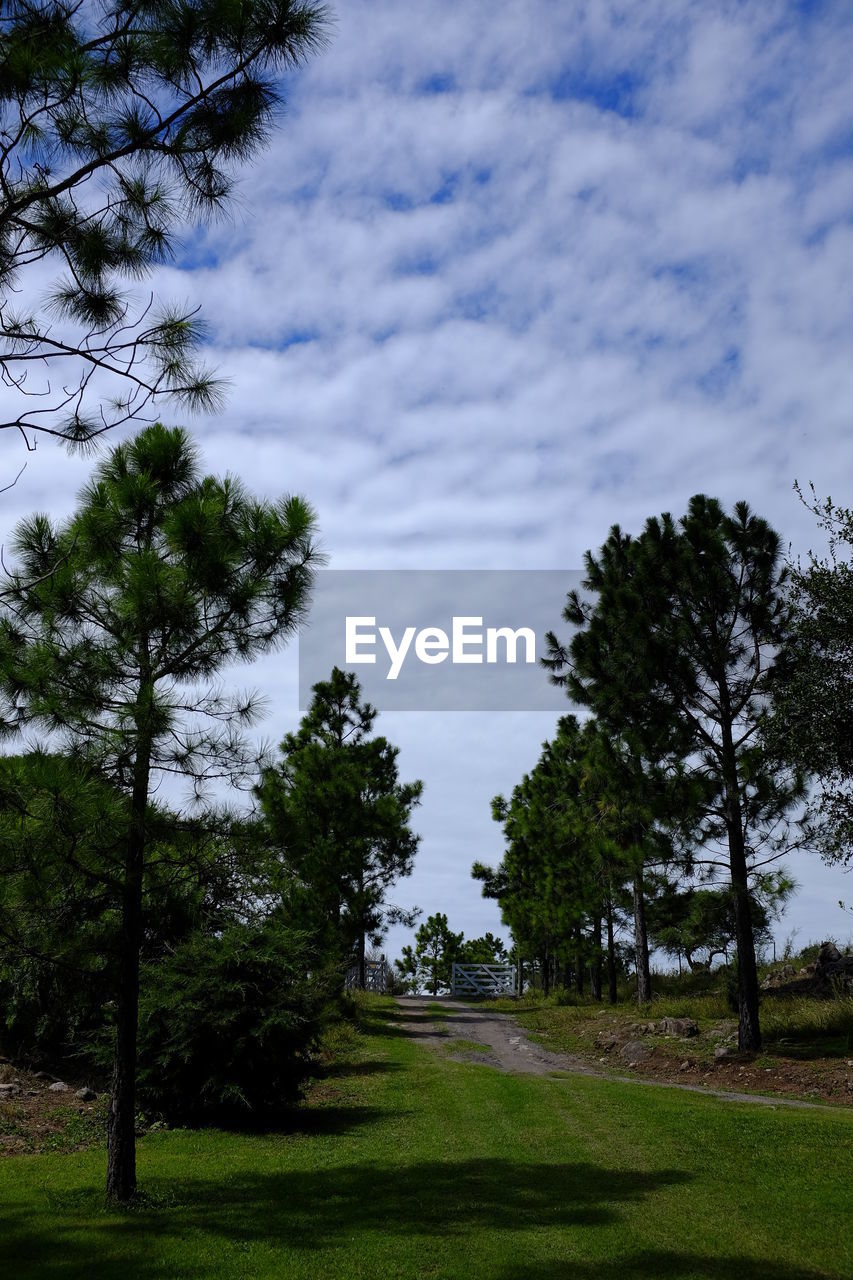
[(595, 970), (579, 964), (362, 963), (749, 1029), (641, 941), (121, 1120), (520, 964), (546, 974), (612, 993)]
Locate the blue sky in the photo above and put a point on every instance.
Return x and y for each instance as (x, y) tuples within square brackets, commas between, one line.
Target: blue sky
[(510, 273)]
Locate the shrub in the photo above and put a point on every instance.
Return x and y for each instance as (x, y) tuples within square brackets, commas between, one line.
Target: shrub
[(227, 1025)]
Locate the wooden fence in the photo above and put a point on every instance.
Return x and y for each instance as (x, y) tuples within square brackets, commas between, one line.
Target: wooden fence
[(376, 974)]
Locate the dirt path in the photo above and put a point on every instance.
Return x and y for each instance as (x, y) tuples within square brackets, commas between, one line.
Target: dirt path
[(506, 1048)]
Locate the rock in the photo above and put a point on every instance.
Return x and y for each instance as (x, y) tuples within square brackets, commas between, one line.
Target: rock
[(643, 1028), (606, 1041), (685, 1066), (86, 1094), (42, 1075), (10, 1090), (722, 1030), (724, 1051), (779, 977), (59, 1086), (828, 954), (635, 1051), (680, 1026)]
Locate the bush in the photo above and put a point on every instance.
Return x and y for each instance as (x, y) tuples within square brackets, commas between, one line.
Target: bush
[(227, 1025)]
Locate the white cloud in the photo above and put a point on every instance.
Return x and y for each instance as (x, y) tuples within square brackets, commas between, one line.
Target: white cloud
[(606, 267)]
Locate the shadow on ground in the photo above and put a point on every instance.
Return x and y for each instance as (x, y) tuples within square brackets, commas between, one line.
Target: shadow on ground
[(340, 1070), (312, 1210), (672, 1264)]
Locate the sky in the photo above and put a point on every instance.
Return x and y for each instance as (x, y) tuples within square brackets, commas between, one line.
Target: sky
[(509, 274)]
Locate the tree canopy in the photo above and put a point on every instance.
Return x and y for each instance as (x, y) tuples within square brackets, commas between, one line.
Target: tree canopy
[(113, 624), (121, 121), (813, 695), (675, 651), (335, 807)]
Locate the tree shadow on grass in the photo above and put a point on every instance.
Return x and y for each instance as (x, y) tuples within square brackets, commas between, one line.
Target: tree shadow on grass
[(330, 1120), (316, 1209), (410, 1026), (338, 1070), (672, 1264), (806, 1050)]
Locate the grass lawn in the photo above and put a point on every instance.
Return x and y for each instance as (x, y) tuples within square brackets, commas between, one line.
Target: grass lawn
[(410, 1164)]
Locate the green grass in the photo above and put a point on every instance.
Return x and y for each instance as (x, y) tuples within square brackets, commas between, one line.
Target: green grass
[(410, 1164), (805, 1021), (467, 1046), (794, 1026)]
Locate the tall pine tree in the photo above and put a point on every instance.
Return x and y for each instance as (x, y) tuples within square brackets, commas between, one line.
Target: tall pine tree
[(341, 817), (114, 623), (676, 650)]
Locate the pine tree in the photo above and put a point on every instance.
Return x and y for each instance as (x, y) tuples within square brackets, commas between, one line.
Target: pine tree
[(115, 622), (121, 121), (338, 812), (436, 948), (813, 694), (675, 651)]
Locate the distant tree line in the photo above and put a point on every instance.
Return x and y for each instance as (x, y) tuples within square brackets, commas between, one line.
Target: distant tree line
[(428, 965), (717, 683)]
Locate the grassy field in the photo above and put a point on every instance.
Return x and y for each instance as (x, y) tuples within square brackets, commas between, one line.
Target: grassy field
[(826, 1026), (408, 1164)]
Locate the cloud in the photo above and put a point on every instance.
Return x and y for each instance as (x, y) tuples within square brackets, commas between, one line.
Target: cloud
[(510, 273)]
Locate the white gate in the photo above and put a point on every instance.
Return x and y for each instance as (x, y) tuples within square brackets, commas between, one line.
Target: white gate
[(483, 980)]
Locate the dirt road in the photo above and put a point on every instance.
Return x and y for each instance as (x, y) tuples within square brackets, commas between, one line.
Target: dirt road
[(470, 1033)]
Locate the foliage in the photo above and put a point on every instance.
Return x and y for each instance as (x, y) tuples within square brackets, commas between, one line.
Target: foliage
[(431, 962), (579, 829), (688, 921), (340, 817), (428, 964), (485, 950), (122, 120), (62, 834), (676, 652), (61, 828), (115, 621), (227, 1023), (813, 696)]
